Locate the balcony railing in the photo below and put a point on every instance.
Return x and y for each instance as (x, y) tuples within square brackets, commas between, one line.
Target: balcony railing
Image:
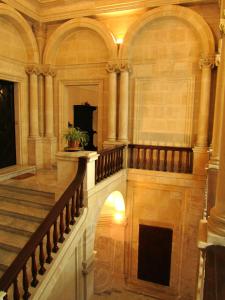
[(161, 158), (110, 161), (38, 250)]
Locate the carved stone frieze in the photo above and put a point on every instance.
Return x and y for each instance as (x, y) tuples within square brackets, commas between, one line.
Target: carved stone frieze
[(118, 67), (222, 26), (48, 71)]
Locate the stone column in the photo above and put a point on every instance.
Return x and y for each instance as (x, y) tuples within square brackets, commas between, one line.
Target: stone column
[(49, 140), (201, 155), (49, 125), (34, 141), (124, 102), (216, 220), (206, 64), (111, 134), (219, 100), (33, 100)]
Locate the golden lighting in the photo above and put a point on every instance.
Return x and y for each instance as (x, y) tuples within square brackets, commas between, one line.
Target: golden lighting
[(119, 40), (116, 202)]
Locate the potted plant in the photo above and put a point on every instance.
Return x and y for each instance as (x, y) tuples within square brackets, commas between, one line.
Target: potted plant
[(76, 137)]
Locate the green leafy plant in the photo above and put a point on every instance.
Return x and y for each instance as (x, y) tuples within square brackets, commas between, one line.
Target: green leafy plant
[(75, 137)]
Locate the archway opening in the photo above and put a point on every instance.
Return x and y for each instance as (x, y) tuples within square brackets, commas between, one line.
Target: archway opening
[(109, 246)]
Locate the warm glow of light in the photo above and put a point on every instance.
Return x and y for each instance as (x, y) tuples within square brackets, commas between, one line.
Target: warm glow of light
[(118, 217), (119, 40), (115, 203)]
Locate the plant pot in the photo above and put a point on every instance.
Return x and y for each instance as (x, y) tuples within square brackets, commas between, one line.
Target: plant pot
[(73, 144)]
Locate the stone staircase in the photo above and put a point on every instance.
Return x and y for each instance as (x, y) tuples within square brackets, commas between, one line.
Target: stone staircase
[(21, 212)]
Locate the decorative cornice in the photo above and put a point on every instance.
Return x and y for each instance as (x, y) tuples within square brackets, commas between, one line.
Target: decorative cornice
[(207, 62)]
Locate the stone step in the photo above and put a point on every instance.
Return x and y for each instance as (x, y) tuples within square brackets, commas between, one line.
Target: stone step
[(17, 192), (11, 221), (20, 216), (13, 239), (29, 203), (12, 171), (23, 209)]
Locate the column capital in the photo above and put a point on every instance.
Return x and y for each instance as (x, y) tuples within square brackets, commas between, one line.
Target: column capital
[(222, 26), (33, 69), (111, 68), (207, 62), (125, 67), (48, 71)]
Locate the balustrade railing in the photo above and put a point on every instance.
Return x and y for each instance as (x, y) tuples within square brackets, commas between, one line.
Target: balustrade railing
[(161, 158), (110, 161), (32, 259)]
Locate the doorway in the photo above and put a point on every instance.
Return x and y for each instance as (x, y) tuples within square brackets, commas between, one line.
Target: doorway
[(7, 125)]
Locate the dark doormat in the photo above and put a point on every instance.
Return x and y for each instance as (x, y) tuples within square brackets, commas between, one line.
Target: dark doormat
[(23, 176)]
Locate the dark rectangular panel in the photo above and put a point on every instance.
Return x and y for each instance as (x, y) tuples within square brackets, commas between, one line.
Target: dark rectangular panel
[(154, 254), (7, 125)]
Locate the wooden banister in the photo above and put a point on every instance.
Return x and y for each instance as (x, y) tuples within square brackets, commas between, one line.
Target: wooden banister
[(44, 230), (161, 158), (110, 161)]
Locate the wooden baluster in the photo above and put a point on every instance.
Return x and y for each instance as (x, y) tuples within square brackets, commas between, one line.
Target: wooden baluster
[(81, 196), (96, 171), (145, 158), (55, 238), (172, 161), (131, 156), (49, 248), (77, 203), (165, 160), (187, 162), (16, 293), (72, 213), (67, 230), (34, 271), (191, 162), (98, 168), (102, 166), (41, 258), (151, 152), (26, 294), (121, 158), (117, 160), (138, 158), (114, 162), (180, 161), (158, 160), (61, 228)]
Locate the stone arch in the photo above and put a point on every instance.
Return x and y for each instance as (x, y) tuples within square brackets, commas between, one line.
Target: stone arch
[(65, 29), (187, 15), (24, 29)]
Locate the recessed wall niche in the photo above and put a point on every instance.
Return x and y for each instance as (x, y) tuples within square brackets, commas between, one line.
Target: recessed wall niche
[(78, 95)]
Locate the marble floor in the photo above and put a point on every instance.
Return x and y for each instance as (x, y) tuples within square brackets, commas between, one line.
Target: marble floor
[(125, 295)]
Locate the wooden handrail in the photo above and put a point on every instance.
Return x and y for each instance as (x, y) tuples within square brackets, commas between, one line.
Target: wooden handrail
[(73, 192), (161, 158), (110, 161)]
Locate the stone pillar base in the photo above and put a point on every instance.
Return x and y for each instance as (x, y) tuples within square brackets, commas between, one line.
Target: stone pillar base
[(35, 151), (67, 165), (200, 162), (49, 151), (216, 227)]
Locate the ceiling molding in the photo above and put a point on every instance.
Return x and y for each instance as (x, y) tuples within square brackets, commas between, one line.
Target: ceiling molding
[(55, 10)]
